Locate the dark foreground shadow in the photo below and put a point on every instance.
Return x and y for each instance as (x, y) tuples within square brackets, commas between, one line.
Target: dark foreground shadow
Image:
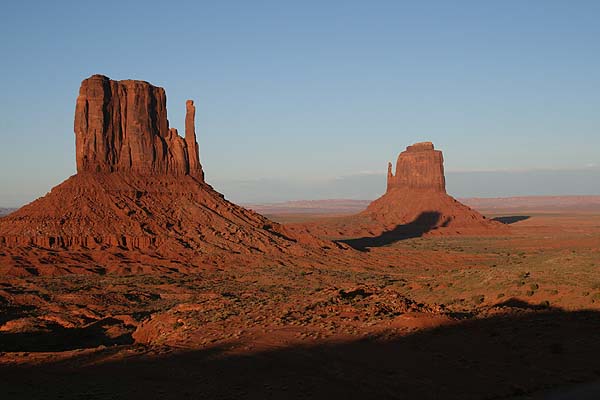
[(489, 358), (424, 223), (55, 337), (511, 219)]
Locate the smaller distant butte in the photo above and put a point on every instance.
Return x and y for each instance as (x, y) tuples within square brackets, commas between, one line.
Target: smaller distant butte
[(415, 204)]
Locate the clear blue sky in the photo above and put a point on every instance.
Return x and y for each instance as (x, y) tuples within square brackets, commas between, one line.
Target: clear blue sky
[(311, 90)]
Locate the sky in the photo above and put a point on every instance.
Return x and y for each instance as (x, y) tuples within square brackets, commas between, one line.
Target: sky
[(316, 92)]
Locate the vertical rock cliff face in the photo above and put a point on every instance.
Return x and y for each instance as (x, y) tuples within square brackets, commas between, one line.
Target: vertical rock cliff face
[(420, 167), (123, 126)]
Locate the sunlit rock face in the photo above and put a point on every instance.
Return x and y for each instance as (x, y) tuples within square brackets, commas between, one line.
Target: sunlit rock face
[(419, 167), (123, 126)]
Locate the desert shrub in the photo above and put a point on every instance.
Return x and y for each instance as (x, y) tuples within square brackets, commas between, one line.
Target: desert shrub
[(178, 324)]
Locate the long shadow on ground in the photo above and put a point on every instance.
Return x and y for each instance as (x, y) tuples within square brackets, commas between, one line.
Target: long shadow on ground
[(496, 357), (54, 337), (424, 223), (511, 219)]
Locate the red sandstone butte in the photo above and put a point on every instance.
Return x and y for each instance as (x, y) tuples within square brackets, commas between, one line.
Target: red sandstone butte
[(414, 204), (123, 126), (139, 185), (420, 167)]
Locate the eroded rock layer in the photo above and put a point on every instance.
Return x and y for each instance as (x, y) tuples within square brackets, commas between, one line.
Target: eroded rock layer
[(101, 210)]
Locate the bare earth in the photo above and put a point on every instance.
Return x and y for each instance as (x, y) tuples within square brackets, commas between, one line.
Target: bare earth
[(462, 317)]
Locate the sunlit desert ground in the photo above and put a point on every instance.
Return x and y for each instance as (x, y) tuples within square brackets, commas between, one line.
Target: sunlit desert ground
[(466, 317)]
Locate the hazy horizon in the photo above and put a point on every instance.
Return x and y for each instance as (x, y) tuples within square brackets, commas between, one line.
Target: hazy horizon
[(370, 185), (302, 98)]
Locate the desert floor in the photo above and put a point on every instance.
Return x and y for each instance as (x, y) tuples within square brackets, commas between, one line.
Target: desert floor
[(513, 316)]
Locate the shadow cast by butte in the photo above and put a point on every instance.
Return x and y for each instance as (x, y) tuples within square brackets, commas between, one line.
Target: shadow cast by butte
[(511, 219), (425, 222)]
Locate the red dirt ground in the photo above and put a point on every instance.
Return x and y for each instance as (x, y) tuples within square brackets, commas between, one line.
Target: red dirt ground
[(463, 317)]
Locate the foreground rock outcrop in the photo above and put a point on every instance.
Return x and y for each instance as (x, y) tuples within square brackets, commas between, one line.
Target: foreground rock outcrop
[(414, 204), (140, 186)]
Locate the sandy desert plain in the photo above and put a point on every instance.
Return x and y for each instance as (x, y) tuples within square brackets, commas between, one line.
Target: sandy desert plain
[(124, 282)]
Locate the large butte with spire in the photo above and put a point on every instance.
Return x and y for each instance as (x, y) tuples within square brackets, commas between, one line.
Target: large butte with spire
[(123, 126)]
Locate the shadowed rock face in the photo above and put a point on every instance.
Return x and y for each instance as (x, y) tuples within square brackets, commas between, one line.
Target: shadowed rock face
[(123, 126), (420, 167)]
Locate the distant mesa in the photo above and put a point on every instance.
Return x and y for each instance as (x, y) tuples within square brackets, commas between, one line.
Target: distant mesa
[(415, 203), (139, 185)]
